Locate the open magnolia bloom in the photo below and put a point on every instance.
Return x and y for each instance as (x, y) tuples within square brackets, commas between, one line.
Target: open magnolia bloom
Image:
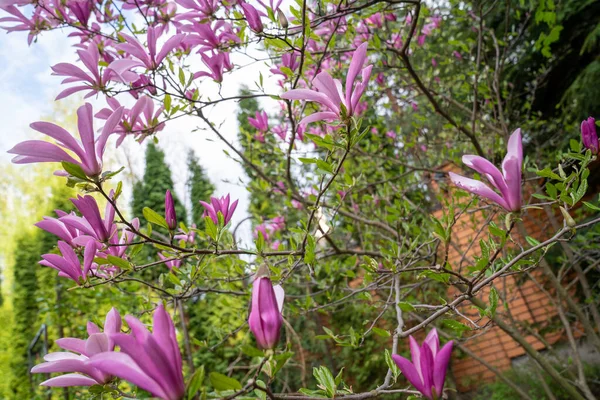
[(329, 91), (427, 371), (151, 361), (81, 373), (507, 182)]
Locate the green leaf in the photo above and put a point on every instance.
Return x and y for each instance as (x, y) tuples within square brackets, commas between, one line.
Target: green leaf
[(493, 298), (531, 241), (406, 307), (222, 382), (118, 262), (456, 326), (325, 380), (391, 364), (251, 351), (167, 102), (196, 382), (74, 170), (381, 332), (154, 217), (591, 206)]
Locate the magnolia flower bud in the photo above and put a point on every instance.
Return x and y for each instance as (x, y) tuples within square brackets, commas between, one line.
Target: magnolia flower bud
[(170, 215), (283, 21), (265, 316), (589, 137)]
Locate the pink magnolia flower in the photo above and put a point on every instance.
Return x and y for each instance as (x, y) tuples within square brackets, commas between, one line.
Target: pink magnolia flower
[(81, 373), (171, 263), (329, 91), (209, 37), (252, 17), (201, 8), (187, 237), (170, 215), (300, 129), (68, 264), (89, 151), (217, 63), (151, 361), (589, 137), (219, 205), (118, 246), (140, 121), (427, 371), (375, 19), (95, 81), (265, 319), (507, 182), (91, 224), (81, 9), (150, 60), (288, 60), (261, 122), (281, 131), (58, 228), (457, 55), (34, 25), (273, 6), (143, 82)]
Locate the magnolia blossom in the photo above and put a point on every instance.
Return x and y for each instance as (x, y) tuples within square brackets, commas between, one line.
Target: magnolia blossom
[(589, 137), (252, 17), (91, 224), (201, 8), (169, 262), (507, 182), (427, 371), (82, 373), (219, 205), (187, 237), (218, 63), (265, 316), (209, 37), (140, 121), (81, 9), (261, 122), (151, 59), (329, 91), (288, 60), (58, 228), (151, 361), (94, 81), (89, 151), (68, 264), (170, 215)]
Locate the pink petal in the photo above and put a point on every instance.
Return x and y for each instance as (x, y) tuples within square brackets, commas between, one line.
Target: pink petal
[(69, 380), (479, 188)]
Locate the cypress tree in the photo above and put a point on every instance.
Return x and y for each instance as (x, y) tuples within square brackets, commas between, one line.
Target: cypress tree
[(150, 192), (25, 311), (199, 187)]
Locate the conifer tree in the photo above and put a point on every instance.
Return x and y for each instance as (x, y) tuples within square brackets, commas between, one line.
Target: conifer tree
[(150, 192), (25, 311), (199, 187)]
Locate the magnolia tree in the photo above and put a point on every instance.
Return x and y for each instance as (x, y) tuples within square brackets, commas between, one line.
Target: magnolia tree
[(346, 173)]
